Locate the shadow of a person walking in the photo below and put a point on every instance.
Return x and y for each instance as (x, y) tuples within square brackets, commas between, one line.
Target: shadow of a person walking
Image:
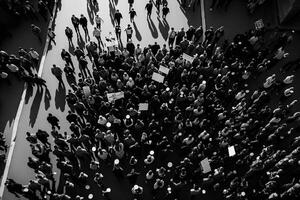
[(60, 96), (137, 33), (163, 28), (152, 28)]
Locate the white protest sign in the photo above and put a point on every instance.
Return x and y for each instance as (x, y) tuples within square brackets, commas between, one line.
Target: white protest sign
[(163, 69), (86, 91), (231, 151), (259, 24), (205, 166), (187, 57), (157, 77), (143, 106), (115, 96)]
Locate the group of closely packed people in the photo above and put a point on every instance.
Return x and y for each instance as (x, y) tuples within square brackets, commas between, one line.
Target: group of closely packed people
[(200, 109), (28, 8)]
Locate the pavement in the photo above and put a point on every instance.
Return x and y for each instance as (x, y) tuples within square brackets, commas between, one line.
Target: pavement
[(39, 102), (11, 90)]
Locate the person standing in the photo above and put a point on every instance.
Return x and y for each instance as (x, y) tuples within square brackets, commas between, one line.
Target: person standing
[(98, 21), (36, 31), (165, 11), (69, 34), (149, 7), (97, 34), (172, 36), (51, 35), (129, 32), (132, 14), (83, 22), (118, 17), (180, 36), (75, 22)]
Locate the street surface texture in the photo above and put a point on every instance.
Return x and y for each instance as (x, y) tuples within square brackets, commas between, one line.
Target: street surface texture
[(40, 102)]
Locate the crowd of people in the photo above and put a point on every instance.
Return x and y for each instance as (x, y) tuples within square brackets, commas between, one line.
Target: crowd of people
[(122, 118), (28, 8)]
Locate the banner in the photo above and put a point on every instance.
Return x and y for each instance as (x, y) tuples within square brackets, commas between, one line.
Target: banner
[(157, 77), (143, 106), (259, 24), (86, 91), (163, 69), (231, 151), (187, 57), (205, 166), (115, 96)]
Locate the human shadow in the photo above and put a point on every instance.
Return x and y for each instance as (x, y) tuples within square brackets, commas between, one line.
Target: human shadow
[(90, 12), (112, 11), (71, 50), (152, 28), (71, 79), (163, 28), (29, 93), (137, 33), (47, 99), (81, 43), (35, 107), (95, 7), (60, 95), (58, 4)]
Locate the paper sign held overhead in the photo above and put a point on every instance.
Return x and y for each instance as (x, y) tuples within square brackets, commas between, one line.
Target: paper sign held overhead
[(259, 24), (205, 166), (115, 96), (157, 77), (187, 57), (163, 69), (86, 91), (143, 106), (231, 151)]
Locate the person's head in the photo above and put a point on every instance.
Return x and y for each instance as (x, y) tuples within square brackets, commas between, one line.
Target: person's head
[(28, 134), (81, 15)]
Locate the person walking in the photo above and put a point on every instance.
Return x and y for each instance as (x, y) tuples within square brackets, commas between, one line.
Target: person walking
[(165, 11), (129, 32), (69, 34), (51, 36), (98, 21), (118, 17), (130, 2), (97, 35), (75, 22), (83, 22), (172, 36), (132, 14), (149, 7), (36, 31)]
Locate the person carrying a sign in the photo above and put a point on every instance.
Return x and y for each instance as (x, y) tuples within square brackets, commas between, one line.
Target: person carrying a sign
[(129, 32), (132, 14), (172, 36)]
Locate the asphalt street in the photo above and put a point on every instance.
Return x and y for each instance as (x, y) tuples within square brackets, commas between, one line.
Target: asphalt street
[(40, 102)]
